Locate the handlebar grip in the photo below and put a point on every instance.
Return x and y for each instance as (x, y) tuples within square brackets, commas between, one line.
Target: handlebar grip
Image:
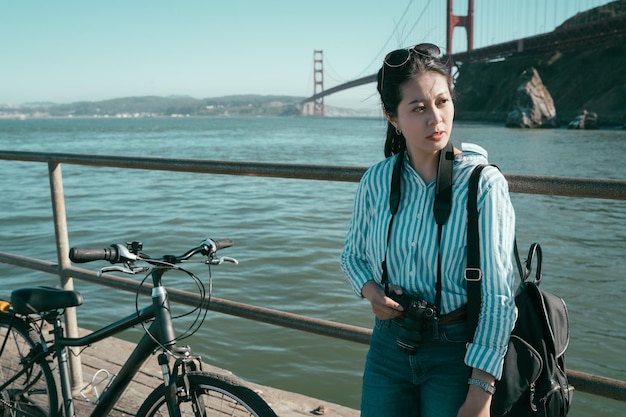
[(82, 255), (223, 243)]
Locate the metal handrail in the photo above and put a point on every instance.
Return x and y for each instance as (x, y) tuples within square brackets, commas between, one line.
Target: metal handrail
[(563, 186), (526, 184)]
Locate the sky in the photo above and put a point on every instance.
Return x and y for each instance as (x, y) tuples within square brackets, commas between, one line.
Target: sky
[(79, 50)]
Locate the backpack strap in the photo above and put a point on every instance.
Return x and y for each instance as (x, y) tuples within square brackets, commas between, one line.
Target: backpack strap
[(443, 194), (473, 274)]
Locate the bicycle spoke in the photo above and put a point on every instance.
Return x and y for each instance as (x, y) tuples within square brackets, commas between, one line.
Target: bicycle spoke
[(33, 391)]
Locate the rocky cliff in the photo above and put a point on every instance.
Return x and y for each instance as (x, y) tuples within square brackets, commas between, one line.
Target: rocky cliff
[(593, 79)]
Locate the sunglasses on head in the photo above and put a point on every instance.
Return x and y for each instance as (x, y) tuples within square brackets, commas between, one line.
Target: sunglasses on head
[(399, 57)]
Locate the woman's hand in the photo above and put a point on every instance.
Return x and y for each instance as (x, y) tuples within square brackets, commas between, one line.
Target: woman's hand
[(383, 307)]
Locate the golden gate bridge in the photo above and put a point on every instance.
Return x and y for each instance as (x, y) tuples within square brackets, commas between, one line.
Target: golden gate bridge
[(594, 27)]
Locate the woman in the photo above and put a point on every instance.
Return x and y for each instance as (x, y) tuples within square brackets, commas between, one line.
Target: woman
[(425, 366)]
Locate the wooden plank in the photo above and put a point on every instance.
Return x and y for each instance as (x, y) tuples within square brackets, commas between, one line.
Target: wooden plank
[(110, 354)]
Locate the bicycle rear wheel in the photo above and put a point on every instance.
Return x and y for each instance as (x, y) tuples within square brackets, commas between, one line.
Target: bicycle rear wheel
[(34, 392), (209, 395)]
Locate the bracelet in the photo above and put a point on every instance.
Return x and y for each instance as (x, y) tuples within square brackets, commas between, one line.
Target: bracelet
[(482, 384)]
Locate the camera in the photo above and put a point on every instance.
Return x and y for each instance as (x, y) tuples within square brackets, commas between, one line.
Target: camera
[(418, 315)]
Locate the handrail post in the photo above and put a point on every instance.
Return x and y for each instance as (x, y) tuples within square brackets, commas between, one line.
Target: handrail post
[(62, 240)]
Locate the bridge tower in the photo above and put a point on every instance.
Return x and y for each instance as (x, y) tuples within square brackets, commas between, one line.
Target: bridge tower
[(464, 21), (318, 81)]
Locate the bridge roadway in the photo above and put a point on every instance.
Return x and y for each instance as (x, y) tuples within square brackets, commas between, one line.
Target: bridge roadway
[(99, 356), (587, 35)]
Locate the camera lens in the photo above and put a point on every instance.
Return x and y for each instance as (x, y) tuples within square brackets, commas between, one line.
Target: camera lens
[(418, 315)]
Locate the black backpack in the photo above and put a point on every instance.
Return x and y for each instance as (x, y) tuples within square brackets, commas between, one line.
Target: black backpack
[(534, 382)]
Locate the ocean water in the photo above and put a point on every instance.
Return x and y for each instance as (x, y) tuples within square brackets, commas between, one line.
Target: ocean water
[(289, 233)]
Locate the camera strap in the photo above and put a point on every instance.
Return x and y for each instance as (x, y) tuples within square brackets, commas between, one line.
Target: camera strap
[(441, 209)]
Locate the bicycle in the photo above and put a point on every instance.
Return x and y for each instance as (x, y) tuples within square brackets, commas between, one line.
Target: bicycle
[(27, 381)]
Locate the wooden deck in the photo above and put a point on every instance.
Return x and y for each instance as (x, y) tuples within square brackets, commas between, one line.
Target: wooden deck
[(111, 353)]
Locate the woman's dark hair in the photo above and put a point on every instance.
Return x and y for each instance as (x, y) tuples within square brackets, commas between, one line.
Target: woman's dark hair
[(399, 67)]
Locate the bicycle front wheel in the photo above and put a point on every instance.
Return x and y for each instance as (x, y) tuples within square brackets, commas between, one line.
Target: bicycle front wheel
[(209, 395), (26, 388)]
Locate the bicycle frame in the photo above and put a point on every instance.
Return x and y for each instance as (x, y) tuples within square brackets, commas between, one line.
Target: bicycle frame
[(132, 365), (161, 333)]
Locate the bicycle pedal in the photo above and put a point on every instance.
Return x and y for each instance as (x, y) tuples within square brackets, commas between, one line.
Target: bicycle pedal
[(90, 392)]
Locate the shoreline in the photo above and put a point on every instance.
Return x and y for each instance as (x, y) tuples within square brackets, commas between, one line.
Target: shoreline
[(607, 121), (613, 121)]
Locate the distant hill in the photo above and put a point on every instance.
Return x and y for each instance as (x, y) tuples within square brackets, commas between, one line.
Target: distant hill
[(164, 106), (173, 106)]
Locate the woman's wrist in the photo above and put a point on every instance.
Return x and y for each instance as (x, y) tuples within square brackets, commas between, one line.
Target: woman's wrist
[(484, 385), (482, 382), (369, 288)]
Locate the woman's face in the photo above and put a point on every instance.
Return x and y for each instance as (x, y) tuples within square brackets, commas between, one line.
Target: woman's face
[(425, 114)]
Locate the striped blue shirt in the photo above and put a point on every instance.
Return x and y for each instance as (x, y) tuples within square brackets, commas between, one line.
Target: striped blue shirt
[(412, 253)]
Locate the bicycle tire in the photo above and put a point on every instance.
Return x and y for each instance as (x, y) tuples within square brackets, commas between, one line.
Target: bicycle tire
[(211, 395), (34, 393)]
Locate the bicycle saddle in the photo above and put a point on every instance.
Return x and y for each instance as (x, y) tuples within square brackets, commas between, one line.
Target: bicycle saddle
[(38, 299)]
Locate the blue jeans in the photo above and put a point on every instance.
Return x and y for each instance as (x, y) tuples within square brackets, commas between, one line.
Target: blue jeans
[(431, 383)]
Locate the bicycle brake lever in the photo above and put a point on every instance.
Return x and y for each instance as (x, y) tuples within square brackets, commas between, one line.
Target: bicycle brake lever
[(125, 269), (229, 259), (221, 260)]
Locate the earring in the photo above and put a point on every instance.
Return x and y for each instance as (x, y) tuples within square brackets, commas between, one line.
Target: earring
[(398, 131)]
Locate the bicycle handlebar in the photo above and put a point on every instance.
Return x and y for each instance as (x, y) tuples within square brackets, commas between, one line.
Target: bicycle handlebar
[(119, 253), (82, 255), (222, 243)]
